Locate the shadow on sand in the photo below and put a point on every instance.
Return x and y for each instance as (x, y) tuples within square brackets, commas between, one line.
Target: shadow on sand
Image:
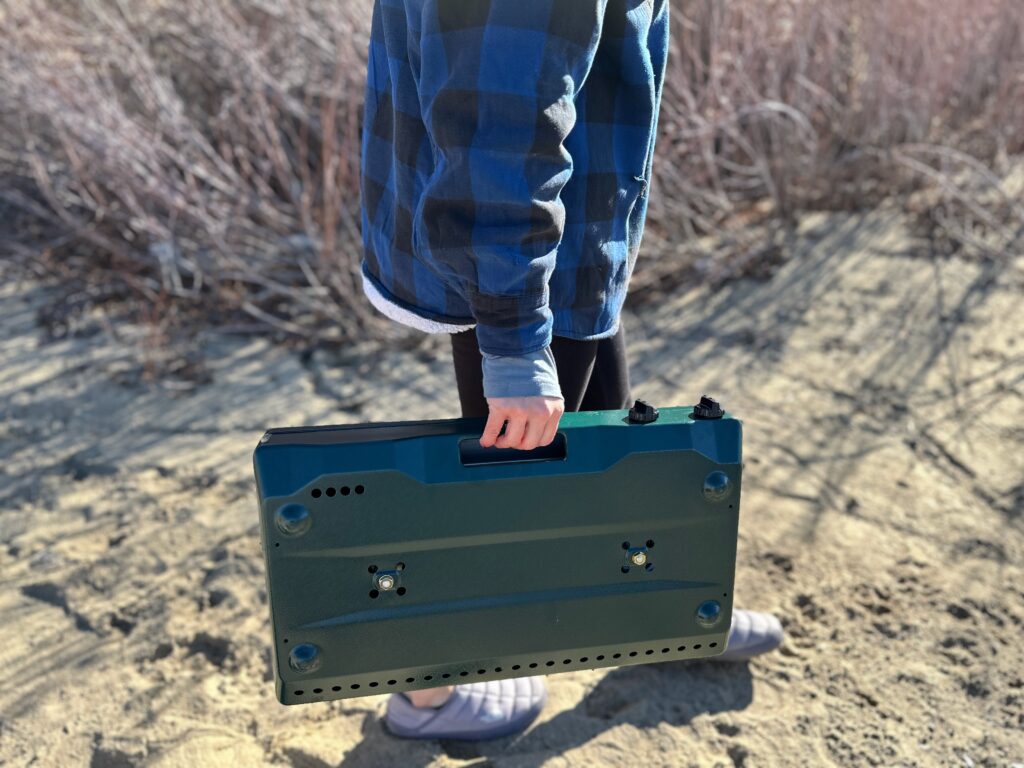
[(644, 696)]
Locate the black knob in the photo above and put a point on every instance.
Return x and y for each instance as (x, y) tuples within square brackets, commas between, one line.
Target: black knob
[(642, 412), (707, 408)]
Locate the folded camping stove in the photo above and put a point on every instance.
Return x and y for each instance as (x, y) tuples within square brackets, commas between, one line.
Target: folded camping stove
[(403, 555)]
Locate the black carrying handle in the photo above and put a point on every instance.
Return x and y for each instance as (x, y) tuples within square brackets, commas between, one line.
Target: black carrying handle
[(472, 454)]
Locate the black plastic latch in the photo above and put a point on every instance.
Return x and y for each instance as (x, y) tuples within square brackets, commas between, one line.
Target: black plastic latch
[(642, 412), (707, 408)]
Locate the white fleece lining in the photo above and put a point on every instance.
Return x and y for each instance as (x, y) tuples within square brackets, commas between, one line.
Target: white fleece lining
[(403, 315)]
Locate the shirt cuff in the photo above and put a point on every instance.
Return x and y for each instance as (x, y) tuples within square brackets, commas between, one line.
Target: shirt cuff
[(530, 375)]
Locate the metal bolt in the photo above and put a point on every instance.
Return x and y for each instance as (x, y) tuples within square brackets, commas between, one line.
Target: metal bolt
[(265, 438), (638, 558), (385, 583)]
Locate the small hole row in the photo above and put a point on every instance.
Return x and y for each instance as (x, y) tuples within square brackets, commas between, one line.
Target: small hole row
[(316, 493), (515, 668)]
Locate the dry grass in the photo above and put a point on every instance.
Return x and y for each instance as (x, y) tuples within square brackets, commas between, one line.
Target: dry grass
[(773, 107), (202, 157), (198, 159)]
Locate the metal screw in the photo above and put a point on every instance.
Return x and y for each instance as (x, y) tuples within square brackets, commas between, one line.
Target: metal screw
[(386, 583), (638, 558)]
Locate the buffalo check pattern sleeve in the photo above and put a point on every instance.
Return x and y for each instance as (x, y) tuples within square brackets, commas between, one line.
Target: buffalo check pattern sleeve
[(498, 79), (507, 150)]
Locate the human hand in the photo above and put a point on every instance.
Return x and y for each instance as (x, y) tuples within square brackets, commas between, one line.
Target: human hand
[(532, 421)]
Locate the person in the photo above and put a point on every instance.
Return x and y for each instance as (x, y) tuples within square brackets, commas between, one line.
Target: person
[(507, 149)]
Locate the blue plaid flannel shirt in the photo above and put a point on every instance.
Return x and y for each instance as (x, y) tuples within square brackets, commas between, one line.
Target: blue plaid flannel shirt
[(506, 157)]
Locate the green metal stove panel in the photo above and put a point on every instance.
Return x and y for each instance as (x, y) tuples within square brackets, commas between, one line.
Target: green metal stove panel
[(401, 556)]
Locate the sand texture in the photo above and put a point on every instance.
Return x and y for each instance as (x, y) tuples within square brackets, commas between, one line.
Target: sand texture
[(882, 392)]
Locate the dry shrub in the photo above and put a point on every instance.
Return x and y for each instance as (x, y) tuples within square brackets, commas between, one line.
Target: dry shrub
[(200, 157), (776, 106)]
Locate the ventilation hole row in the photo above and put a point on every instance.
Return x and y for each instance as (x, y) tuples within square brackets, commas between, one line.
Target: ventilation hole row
[(515, 668), (316, 493)]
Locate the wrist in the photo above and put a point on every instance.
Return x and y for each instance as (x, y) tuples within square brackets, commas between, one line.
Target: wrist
[(530, 375)]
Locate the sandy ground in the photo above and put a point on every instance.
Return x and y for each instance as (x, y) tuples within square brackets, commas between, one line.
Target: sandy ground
[(883, 396)]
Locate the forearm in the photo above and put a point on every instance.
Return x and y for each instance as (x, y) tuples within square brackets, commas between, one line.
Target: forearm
[(499, 89)]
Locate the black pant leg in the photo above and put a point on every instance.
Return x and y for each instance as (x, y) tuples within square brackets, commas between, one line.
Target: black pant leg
[(608, 388), (469, 377), (575, 362)]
